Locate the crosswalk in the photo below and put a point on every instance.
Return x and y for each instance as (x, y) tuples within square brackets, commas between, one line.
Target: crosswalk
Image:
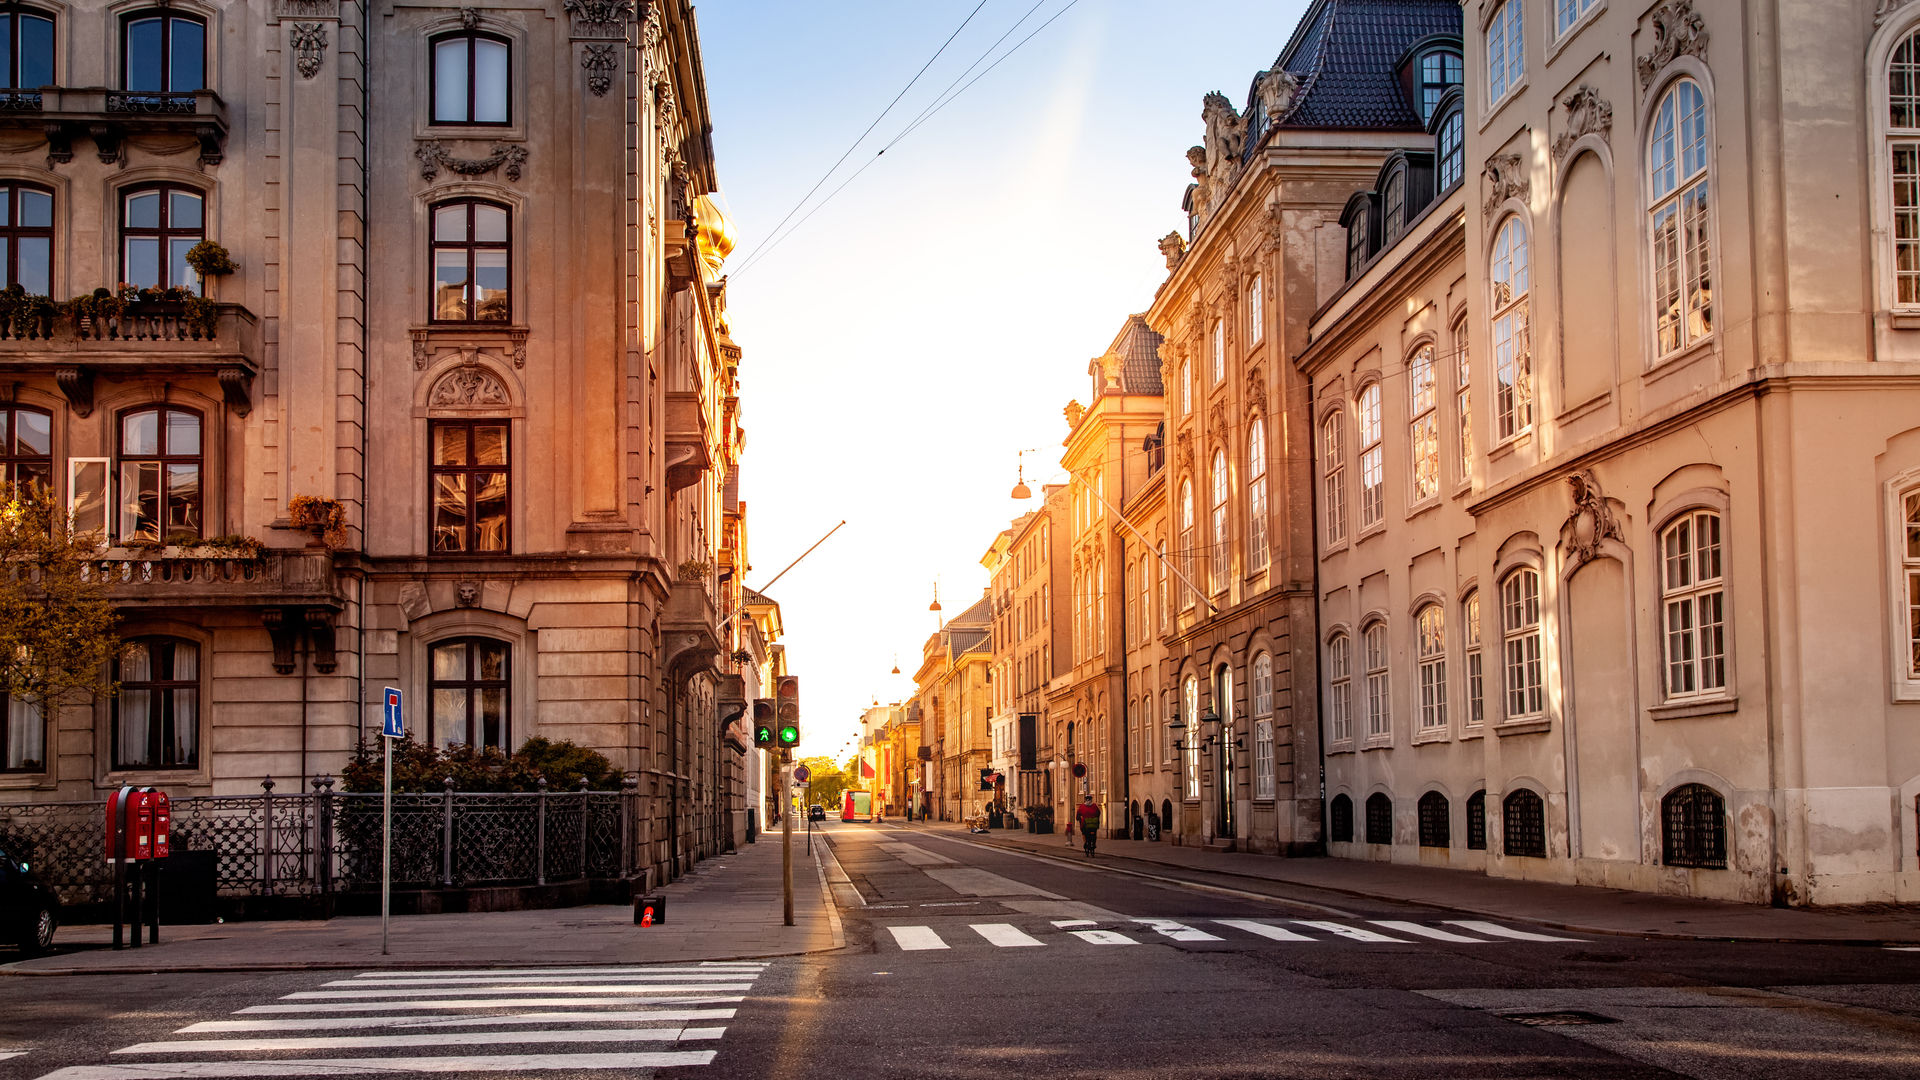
[(481, 1020), (1137, 931)]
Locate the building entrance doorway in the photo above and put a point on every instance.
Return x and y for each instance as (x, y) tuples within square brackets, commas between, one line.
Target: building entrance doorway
[(1223, 747)]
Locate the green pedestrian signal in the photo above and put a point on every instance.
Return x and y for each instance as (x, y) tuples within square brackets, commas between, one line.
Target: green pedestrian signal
[(763, 724), (789, 735)]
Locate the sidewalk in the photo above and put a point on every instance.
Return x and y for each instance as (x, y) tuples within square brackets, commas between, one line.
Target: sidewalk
[(1564, 907), (729, 908)]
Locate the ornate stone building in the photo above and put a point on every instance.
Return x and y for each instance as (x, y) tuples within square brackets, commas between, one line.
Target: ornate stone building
[(475, 321), (951, 687)]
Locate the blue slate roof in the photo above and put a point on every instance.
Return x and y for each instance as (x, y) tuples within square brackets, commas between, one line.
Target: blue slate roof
[(1344, 53)]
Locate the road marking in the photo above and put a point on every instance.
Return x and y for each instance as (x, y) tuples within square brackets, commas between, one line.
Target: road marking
[(562, 988), (1177, 931), (915, 938), (1261, 929), (1103, 937), (1352, 933), (480, 1003), (1433, 932), (445, 1038), (335, 1023), (973, 881), (1005, 935), (5, 1054), (361, 1066), (1904, 948), (522, 980), (743, 966), (1496, 930), (1069, 923)]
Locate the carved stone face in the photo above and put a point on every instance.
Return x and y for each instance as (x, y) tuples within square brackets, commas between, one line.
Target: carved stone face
[(468, 593)]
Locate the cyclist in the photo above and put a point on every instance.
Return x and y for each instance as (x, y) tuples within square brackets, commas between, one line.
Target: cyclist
[(1088, 816)]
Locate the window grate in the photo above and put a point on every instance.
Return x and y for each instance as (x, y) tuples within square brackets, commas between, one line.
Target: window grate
[(1477, 821), (1340, 822), (1525, 825), (1695, 818), (1379, 819), (1436, 826)]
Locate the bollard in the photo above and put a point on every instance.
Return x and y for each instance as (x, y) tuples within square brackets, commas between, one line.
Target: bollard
[(649, 910)]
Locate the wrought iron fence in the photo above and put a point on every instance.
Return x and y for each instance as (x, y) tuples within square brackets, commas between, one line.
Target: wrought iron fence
[(322, 841)]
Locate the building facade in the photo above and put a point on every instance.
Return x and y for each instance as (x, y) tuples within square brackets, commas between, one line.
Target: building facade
[(956, 711)]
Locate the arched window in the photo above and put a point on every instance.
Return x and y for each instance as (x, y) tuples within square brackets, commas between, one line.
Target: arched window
[(472, 261), (1339, 689), (1379, 715), (1680, 225), (1477, 821), (1256, 312), (1146, 598), (1186, 542), (1436, 826), (1133, 606), (1340, 820), (26, 447), (1221, 547), (1431, 629), (1359, 235), (1506, 51), (1166, 599), (159, 464), (162, 53), (26, 235), (1186, 390), (1257, 495), (470, 686), (472, 79), (469, 482), (1524, 824), (159, 224), (156, 714), (1512, 349), (1333, 472), (1166, 813), (1393, 210), (1373, 484), (1423, 401), (1903, 131), (1450, 149), (1217, 349), (1262, 675), (1463, 399), (1520, 630), (1191, 693), (1470, 640), (1379, 818), (1693, 601), (1440, 70), (28, 36), (1693, 821)]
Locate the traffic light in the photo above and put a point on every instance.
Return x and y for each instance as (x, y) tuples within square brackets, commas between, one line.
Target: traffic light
[(763, 723), (787, 730)]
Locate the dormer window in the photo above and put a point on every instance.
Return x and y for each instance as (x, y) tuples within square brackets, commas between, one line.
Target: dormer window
[(1439, 71), (1449, 129), (1356, 244), (1394, 211)]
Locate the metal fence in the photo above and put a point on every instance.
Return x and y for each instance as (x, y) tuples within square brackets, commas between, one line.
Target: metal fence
[(322, 841)]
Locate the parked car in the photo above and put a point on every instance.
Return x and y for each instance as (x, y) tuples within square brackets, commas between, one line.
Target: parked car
[(29, 911), (816, 812)]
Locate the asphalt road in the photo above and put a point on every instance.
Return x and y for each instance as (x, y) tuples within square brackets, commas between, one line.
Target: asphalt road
[(969, 961)]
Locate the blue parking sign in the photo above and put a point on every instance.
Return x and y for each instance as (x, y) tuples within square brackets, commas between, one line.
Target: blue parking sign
[(391, 728)]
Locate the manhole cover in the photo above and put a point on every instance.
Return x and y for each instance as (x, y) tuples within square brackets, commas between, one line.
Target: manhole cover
[(1559, 1018)]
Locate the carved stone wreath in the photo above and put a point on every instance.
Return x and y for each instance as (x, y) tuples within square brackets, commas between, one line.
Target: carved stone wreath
[(434, 156), (1678, 30), (466, 386), (600, 60), (1505, 179), (1590, 522), (599, 18), (1587, 114), (309, 40)]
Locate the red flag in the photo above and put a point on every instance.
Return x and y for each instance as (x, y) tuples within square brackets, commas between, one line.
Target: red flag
[(866, 769)]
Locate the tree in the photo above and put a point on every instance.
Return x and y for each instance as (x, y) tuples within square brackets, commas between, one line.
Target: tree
[(58, 631), (826, 783)]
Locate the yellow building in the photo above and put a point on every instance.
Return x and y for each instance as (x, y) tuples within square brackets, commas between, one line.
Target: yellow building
[(955, 712)]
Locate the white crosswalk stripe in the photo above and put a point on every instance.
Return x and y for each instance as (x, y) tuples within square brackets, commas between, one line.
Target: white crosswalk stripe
[(1496, 930), (1176, 930), (922, 938), (603, 1019), (1260, 929), (913, 938), (1005, 935), (1417, 930)]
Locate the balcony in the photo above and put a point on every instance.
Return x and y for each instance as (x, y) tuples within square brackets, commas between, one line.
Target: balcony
[(689, 439), (689, 629), (108, 116), (149, 336), (294, 591)]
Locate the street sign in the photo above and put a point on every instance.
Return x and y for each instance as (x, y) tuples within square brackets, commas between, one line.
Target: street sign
[(391, 726), (1079, 769), (802, 774)]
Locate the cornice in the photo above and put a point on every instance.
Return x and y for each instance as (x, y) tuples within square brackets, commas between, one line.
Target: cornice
[(1447, 242)]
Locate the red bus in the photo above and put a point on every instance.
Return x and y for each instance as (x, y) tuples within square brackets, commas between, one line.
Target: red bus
[(857, 807)]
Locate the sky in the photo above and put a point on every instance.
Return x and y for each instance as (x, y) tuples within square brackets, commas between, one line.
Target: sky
[(931, 321)]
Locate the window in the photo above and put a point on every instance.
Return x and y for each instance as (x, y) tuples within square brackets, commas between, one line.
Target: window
[(1374, 638), (26, 447), (1910, 560), (1525, 824), (26, 235), (1333, 469), (1512, 352), (1439, 70), (1693, 821), (1477, 821), (1379, 818), (1373, 498), (1166, 600), (1451, 149), (160, 489), (471, 263), (1186, 390), (469, 480), (1256, 312), (28, 36), (1339, 689), (163, 53), (1217, 564), (1133, 607), (1357, 237), (1506, 51), (1693, 597), (1431, 628), (472, 79), (1568, 12), (470, 686), (23, 736), (1257, 495), (1423, 403), (1192, 694), (1218, 349), (1463, 399), (1186, 543), (1263, 726), (1903, 124), (156, 714), (1520, 623), (1470, 633), (1340, 820), (158, 226), (1146, 599), (1394, 208), (1436, 827), (1677, 188)]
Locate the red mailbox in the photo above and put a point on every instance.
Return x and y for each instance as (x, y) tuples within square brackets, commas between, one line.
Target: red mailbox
[(162, 824), (141, 819)]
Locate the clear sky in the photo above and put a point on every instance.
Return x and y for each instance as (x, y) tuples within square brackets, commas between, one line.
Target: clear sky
[(934, 318)]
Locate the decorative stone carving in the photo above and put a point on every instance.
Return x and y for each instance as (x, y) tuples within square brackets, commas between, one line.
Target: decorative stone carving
[(76, 383), (434, 156), (1074, 412), (466, 386), (1202, 184), (467, 594), (1886, 8), (310, 9), (1225, 129), (1257, 391), (1590, 522), (1108, 366), (1276, 90), (469, 17), (599, 18), (1587, 114), (1174, 247), (1506, 178), (1218, 415), (422, 349), (600, 60), (1186, 451), (1678, 30), (236, 388), (309, 40)]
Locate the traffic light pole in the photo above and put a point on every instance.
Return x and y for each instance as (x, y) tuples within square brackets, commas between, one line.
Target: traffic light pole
[(786, 834)]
